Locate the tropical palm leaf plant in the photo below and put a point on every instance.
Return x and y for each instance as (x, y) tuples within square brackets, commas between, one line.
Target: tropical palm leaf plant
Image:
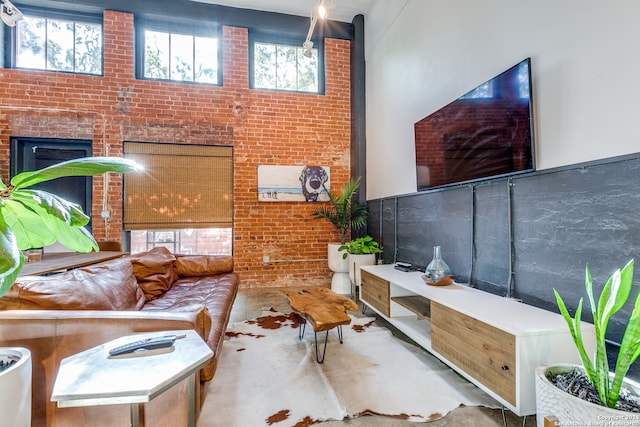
[(613, 297), (343, 212), (32, 218)]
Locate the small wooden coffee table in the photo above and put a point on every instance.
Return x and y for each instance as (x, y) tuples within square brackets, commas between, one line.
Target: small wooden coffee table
[(324, 309)]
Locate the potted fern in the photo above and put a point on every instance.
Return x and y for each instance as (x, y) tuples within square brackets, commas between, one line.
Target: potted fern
[(32, 219), (344, 213), (612, 395)]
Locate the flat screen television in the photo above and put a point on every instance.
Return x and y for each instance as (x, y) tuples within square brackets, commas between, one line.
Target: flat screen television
[(487, 132)]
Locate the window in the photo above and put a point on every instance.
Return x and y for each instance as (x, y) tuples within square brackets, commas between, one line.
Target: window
[(201, 241), (180, 56), (58, 44), (183, 200), (484, 91), (523, 80), (282, 65)]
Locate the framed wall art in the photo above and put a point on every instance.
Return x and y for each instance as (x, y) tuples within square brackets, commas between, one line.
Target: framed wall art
[(293, 183)]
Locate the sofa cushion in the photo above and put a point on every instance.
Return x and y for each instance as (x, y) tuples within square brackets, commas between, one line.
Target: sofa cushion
[(203, 265), (106, 286), (213, 294), (155, 271)]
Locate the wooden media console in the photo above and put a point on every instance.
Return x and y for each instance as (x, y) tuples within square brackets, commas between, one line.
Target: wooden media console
[(493, 341)]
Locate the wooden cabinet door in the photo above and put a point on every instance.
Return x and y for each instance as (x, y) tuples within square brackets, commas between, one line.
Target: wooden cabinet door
[(484, 352), (375, 291)]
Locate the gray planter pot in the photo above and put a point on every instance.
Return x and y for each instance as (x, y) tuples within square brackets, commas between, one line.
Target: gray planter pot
[(551, 402), (15, 388)]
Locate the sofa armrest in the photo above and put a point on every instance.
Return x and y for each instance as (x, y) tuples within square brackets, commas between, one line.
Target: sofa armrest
[(52, 335)]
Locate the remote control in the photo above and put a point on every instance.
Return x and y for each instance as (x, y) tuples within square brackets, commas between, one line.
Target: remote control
[(146, 344), (403, 266)]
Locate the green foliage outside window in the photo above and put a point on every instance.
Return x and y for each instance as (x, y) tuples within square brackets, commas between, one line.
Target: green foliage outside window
[(180, 57), (283, 67), (59, 45)]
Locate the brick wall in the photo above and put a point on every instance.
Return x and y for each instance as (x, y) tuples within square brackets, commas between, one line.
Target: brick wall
[(264, 127)]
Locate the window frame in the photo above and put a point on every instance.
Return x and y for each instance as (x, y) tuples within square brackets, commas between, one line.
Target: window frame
[(287, 40), (11, 37), (183, 27)]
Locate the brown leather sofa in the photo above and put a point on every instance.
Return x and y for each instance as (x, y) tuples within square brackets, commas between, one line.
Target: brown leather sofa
[(60, 315)]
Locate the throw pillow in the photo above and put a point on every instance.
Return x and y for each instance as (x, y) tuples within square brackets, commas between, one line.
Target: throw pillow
[(155, 271), (203, 265)]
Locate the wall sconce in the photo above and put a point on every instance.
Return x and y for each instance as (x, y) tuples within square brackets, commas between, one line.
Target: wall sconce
[(319, 12), (9, 13)]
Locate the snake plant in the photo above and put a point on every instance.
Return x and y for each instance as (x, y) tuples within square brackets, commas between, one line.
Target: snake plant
[(613, 297), (33, 218)]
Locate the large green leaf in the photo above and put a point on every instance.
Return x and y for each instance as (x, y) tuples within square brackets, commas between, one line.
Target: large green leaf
[(576, 334), (630, 345), (46, 203), (38, 219), (613, 297), (85, 166), (11, 259), (27, 225), (35, 218), (73, 237), (599, 376), (615, 293)]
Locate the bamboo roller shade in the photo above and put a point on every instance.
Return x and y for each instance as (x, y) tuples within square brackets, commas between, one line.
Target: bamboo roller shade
[(182, 186)]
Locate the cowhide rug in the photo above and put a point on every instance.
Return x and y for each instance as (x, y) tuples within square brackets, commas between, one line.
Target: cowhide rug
[(267, 377)]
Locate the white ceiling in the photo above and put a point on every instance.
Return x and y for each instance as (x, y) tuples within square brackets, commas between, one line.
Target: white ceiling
[(340, 10)]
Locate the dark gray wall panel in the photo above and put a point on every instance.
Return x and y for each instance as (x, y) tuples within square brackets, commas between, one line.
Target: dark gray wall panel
[(381, 226), (440, 218), (567, 219), (491, 269), (389, 230), (374, 221)]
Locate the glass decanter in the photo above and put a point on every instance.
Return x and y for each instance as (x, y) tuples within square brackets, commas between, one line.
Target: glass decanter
[(437, 268)]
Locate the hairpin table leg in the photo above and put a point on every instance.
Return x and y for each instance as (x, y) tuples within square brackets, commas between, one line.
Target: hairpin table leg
[(324, 350), (301, 327)]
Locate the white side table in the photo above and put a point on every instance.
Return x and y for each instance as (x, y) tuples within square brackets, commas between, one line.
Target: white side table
[(91, 378)]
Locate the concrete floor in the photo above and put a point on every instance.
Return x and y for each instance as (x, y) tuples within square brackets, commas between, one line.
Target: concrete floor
[(250, 303)]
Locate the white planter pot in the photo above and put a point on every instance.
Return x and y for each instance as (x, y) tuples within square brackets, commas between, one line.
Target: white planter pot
[(357, 261), (15, 388), (340, 282), (570, 410)]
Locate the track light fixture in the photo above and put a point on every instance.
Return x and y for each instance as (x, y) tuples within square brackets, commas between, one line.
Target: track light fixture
[(9, 13), (319, 12)]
